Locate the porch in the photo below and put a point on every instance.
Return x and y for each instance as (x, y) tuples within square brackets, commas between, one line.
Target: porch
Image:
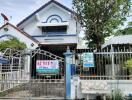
[(58, 49)]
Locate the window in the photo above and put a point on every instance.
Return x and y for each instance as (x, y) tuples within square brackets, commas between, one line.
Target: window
[(54, 30)]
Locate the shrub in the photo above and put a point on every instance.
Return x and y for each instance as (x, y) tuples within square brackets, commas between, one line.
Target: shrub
[(117, 95), (12, 43)]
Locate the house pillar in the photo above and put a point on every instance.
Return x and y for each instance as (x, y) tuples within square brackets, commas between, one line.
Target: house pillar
[(27, 65), (68, 59)]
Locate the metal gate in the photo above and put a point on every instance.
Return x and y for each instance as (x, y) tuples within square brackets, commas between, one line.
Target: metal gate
[(19, 78)]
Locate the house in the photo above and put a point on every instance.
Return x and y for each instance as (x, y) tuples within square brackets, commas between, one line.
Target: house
[(54, 26)]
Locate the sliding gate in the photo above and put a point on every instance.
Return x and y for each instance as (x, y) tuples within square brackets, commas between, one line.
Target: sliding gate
[(34, 75)]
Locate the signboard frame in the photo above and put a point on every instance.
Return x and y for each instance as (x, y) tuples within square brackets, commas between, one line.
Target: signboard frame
[(47, 66), (88, 60)]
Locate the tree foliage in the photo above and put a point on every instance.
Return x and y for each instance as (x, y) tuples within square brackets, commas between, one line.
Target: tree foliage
[(125, 31), (100, 17), (128, 64), (12, 43)]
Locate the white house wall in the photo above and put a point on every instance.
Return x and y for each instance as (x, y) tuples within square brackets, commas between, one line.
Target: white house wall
[(53, 10), (15, 33), (33, 30)]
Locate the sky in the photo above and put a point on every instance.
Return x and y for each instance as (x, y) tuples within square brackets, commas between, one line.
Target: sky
[(17, 10)]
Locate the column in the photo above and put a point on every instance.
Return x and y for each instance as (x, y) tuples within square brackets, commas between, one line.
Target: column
[(68, 55)]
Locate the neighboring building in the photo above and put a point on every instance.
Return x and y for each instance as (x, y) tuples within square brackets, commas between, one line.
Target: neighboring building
[(54, 26), (118, 43), (8, 31)]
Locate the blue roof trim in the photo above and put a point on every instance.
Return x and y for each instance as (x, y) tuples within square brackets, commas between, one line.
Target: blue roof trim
[(45, 5), (55, 39), (54, 18), (6, 35), (54, 35)]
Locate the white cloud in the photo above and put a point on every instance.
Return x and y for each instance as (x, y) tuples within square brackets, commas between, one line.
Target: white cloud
[(19, 9)]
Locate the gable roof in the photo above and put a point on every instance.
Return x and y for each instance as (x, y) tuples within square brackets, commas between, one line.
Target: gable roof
[(22, 32), (42, 7)]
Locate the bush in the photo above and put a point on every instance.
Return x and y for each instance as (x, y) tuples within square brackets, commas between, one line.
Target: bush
[(12, 43), (128, 64), (117, 95)]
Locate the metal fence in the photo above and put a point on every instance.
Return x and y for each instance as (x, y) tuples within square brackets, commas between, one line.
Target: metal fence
[(19, 78), (109, 64), (11, 70)]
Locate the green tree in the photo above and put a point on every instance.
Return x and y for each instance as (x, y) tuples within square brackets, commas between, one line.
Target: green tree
[(125, 31), (12, 43), (100, 17)]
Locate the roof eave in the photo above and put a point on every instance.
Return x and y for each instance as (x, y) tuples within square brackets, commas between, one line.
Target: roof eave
[(24, 33)]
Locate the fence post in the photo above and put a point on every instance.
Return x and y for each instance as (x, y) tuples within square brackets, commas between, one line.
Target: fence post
[(1, 76), (11, 68), (113, 64), (68, 55), (28, 64), (20, 70)]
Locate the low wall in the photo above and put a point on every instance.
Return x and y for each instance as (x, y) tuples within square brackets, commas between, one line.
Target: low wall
[(82, 88)]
